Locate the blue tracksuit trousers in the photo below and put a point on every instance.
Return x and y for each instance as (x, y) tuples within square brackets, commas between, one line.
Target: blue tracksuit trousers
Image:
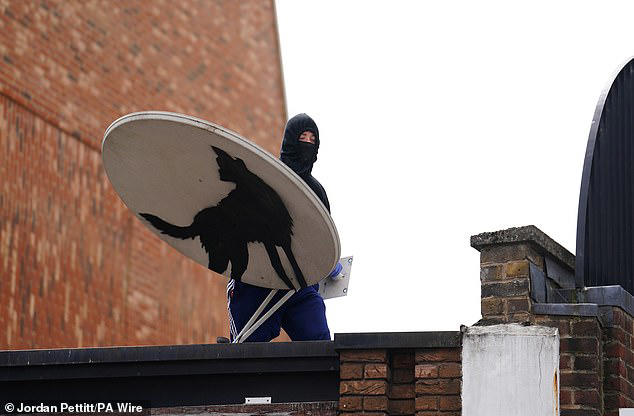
[(303, 315)]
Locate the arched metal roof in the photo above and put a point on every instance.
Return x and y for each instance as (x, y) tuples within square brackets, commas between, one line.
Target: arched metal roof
[(605, 222)]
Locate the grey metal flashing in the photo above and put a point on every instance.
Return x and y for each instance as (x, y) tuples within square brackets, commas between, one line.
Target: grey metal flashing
[(565, 278), (394, 340), (609, 296), (593, 301), (538, 283), (556, 295), (527, 234), (569, 309)]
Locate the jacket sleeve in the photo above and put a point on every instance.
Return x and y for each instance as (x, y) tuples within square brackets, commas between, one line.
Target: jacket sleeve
[(322, 195), (318, 190)]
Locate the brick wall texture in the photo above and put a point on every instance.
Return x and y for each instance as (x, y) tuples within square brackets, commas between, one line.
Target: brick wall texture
[(596, 362), (580, 366), (364, 382), (424, 382), (505, 280), (438, 375), (76, 268), (618, 362)]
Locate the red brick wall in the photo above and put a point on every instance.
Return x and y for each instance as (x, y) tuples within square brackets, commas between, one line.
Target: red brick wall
[(76, 269), (401, 382), (401, 391), (363, 386), (580, 369), (618, 361), (438, 375)]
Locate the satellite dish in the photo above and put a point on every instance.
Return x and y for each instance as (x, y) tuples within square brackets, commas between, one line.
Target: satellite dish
[(605, 222), (220, 200)]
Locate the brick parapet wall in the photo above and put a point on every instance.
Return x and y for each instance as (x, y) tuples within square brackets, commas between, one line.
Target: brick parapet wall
[(363, 386), (402, 393), (404, 374), (438, 375)]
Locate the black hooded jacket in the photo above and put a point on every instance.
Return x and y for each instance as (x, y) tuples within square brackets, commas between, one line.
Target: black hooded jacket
[(301, 156)]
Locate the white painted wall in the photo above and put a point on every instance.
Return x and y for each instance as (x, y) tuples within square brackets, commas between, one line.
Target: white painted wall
[(510, 370)]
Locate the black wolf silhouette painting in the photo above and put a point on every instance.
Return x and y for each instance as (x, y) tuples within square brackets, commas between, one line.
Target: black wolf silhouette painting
[(252, 212)]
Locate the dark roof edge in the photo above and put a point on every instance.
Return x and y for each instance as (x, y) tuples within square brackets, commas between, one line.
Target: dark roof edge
[(137, 354), (265, 350), (389, 340), (527, 234)]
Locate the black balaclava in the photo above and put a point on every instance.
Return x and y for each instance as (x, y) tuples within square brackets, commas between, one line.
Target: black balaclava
[(301, 156), (297, 155)]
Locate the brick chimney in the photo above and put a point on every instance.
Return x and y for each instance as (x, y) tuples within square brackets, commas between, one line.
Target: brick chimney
[(514, 264), (527, 277)]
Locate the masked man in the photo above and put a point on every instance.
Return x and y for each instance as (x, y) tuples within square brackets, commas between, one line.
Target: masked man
[(303, 316)]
